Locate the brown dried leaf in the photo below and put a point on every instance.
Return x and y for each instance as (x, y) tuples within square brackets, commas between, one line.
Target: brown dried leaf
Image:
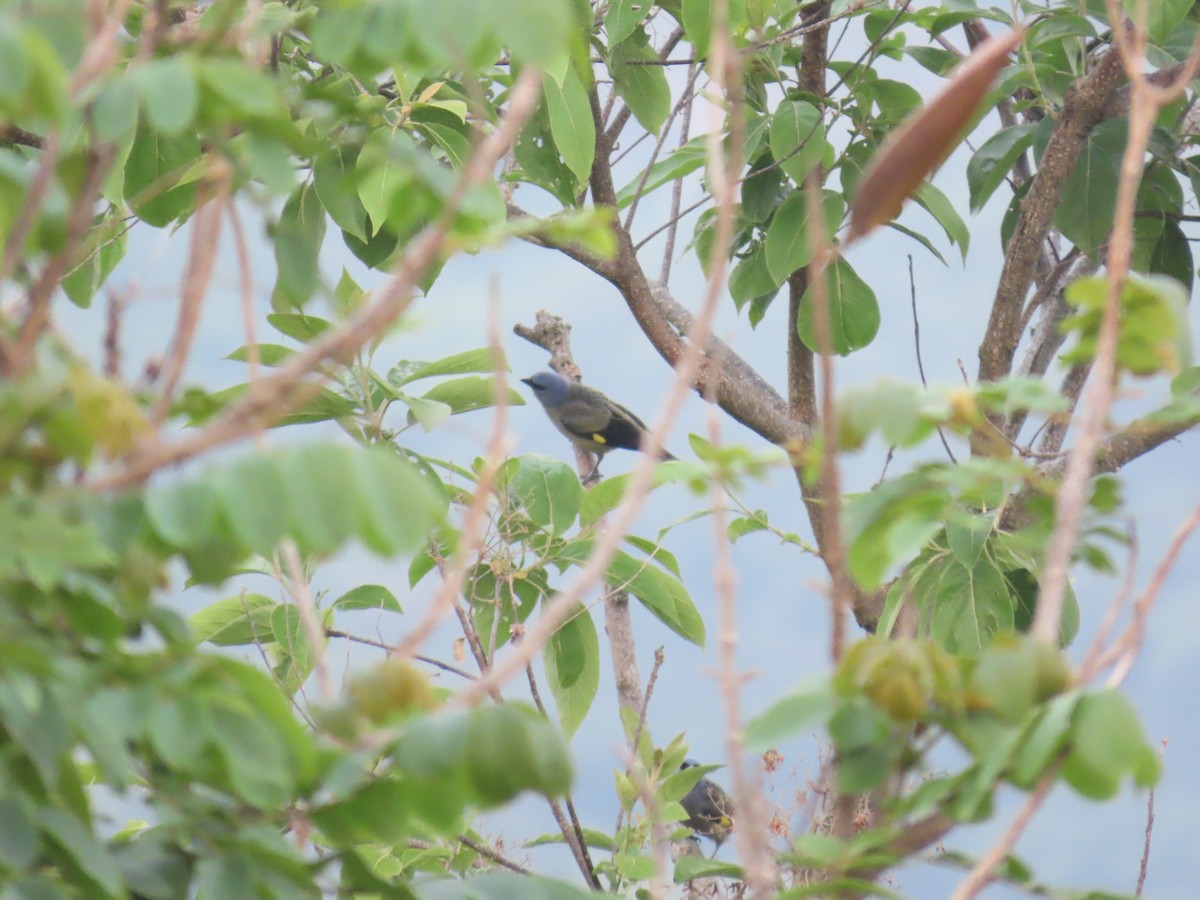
[(918, 146)]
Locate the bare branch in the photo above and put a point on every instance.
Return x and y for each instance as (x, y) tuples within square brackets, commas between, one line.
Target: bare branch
[(1083, 108), (202, 254), (298, 586), (981, 874)]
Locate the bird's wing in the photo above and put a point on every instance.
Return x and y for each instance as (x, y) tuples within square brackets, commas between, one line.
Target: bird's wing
[(583, 417), (598, 420)]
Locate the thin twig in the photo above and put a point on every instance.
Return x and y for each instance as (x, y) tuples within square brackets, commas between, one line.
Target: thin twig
[(659, 656), (301, 593), (685, 103), (476, 516), (912, 288), (1125, 649), (685, 127), (246, 288), (832, 547), (660, 846), (1145, 863), (751, 834), (981, 873), (382, 645), (202, 255), (488, 853)]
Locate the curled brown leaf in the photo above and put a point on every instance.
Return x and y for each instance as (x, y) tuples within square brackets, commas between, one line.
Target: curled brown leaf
[(919, 145)]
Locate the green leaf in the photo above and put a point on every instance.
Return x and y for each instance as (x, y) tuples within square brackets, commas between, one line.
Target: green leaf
[(547, 489), (853, 312), (967, 606), (643, 88), (399, 503), (291, 638), (1161, 16), (797, 137), (81, 854), (334, 182), (377, 811), (253, 495), (696, 16), (511, 749), (368, 596), (1005, 678), (430, 413), (18, 833), (760, 188), (572, 661), (539, 161), (938, 206), (1161, 248), (153, 172), (184, 514), (250, 91), (1107, 743), (256, 758), (993, 160), (324, 498), (107, 242), (268, 354), (234, 621), (1044, 740), (168, 93), (789, 243), (690, 867), (298, 325), (634, 866), (571, 123), (809, 706), (537, 32), (1087, 217), (115, 109), (920, 239), (967, 538), (228, 875), (663, 595), (470, 393), (675, 165), (623, 18), (481, 360), (298, 239), (751, 278)]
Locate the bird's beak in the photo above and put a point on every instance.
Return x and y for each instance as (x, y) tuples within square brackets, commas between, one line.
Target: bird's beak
[(528, 381)]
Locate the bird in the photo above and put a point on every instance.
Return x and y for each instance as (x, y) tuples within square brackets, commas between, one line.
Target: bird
[(593, 422), (709, 808)]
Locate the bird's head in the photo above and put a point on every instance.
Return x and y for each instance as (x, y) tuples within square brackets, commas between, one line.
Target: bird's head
[(549, 387)]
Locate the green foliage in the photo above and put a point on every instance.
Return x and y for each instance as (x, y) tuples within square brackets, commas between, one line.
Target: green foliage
[(1152, 321)]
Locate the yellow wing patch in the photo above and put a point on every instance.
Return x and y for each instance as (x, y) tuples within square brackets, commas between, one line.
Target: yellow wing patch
[(599, 439)]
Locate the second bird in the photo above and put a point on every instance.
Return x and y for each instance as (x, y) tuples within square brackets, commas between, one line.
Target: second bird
[(709, 809), (592, 421)]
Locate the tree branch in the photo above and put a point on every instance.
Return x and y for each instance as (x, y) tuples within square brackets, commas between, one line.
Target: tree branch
[(1083, 108)]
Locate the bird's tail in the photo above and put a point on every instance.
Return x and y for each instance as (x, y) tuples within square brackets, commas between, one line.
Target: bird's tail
[(665, 456)]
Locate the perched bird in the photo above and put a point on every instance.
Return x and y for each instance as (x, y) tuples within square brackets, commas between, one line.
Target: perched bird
[(709, 808), (593, 422)]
